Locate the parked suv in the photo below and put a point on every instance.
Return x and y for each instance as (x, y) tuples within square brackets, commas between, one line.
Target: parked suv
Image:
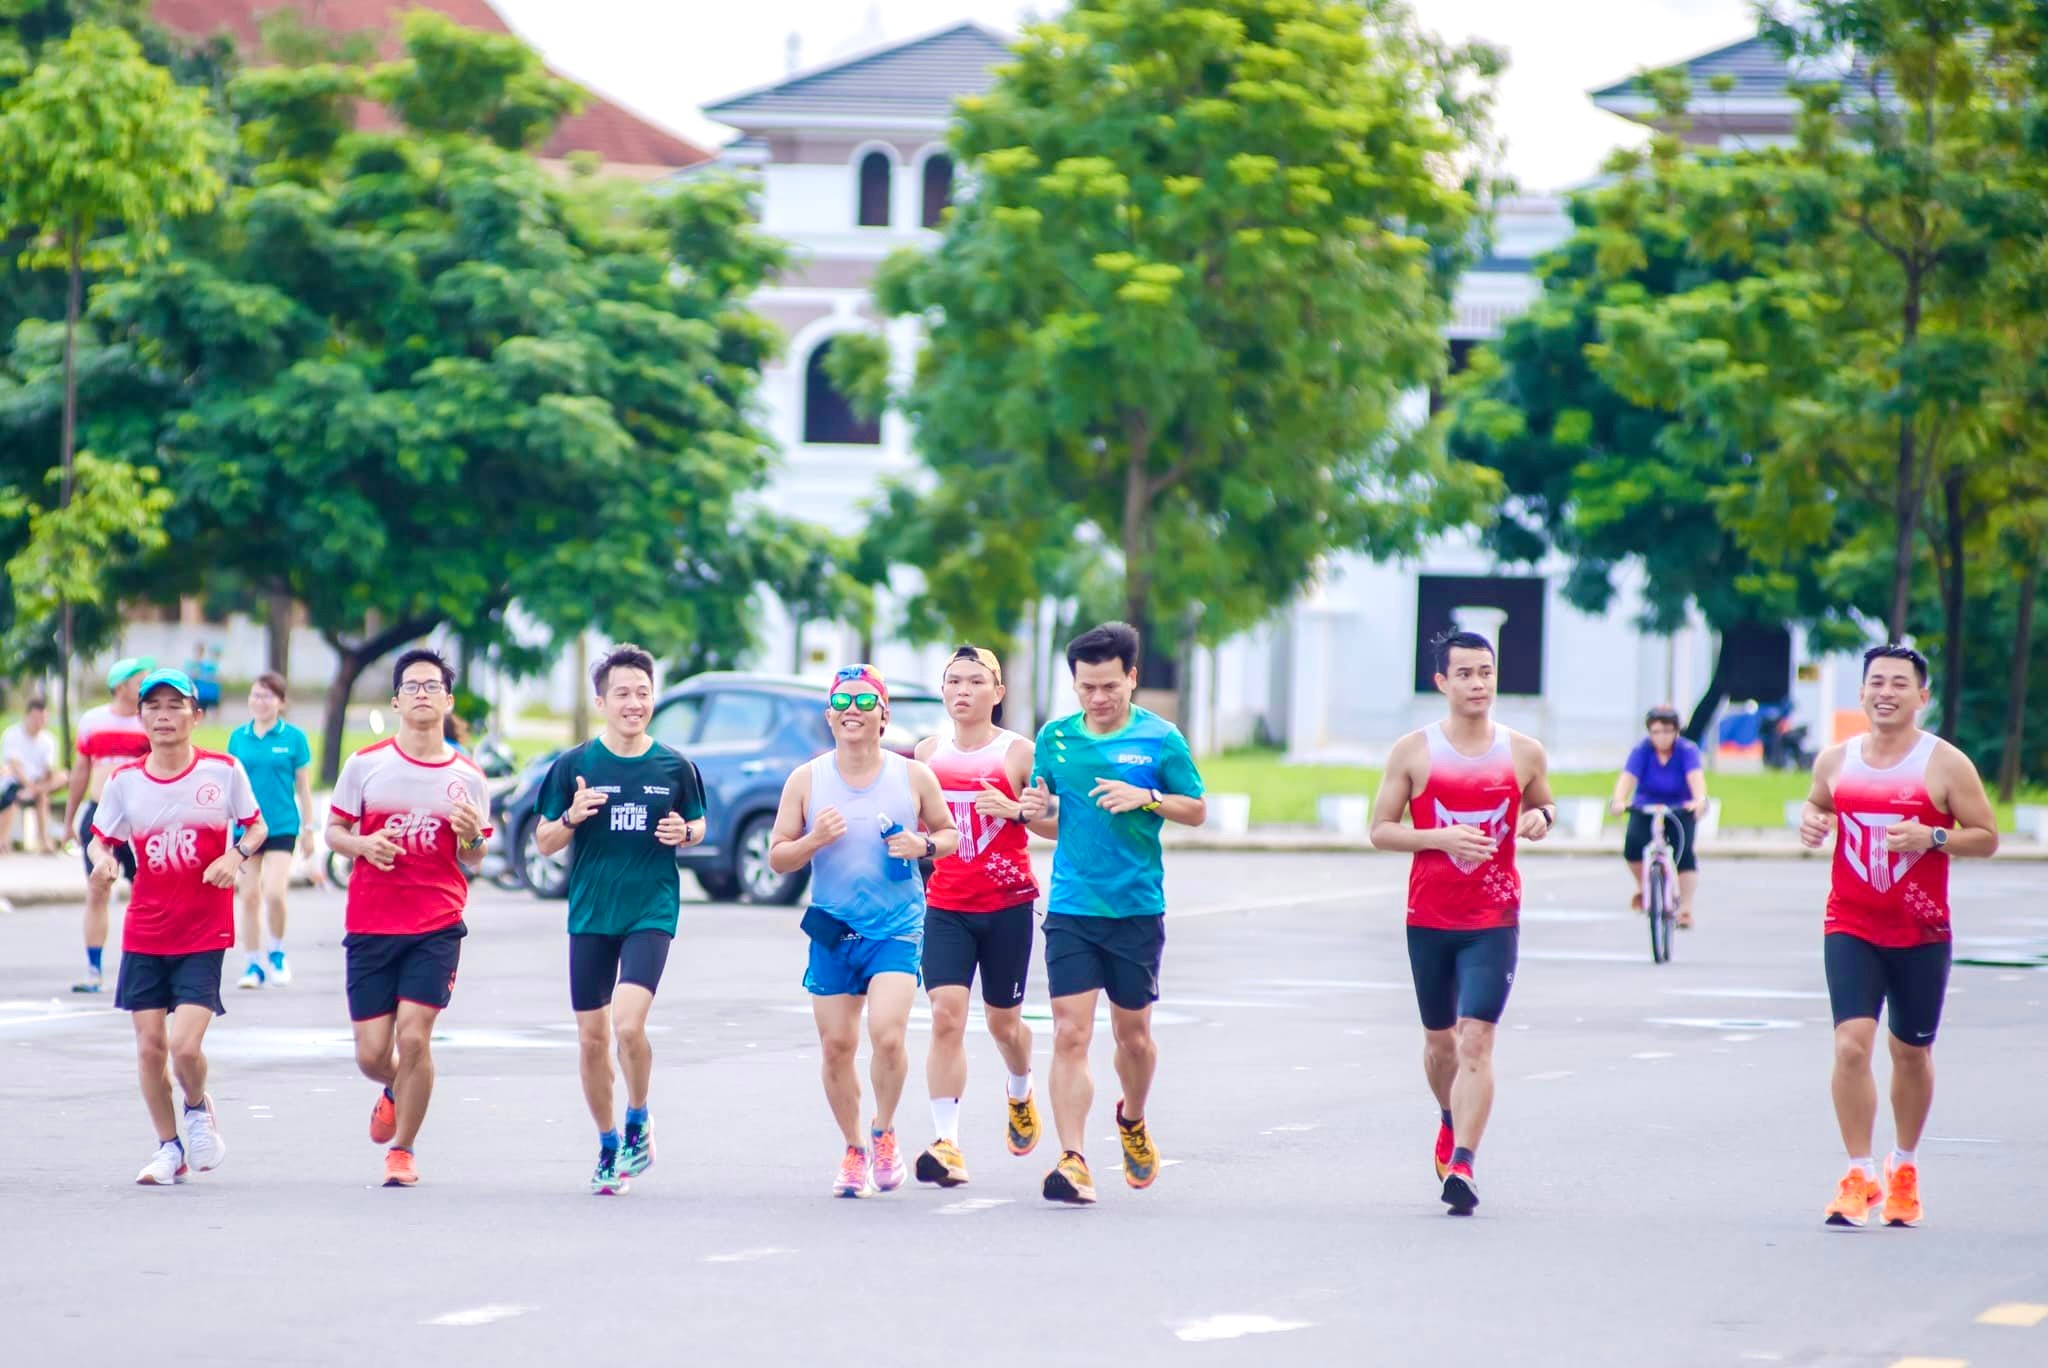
[(745, 733)]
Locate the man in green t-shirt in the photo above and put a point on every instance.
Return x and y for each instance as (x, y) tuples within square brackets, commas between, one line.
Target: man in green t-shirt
[(621, 805)]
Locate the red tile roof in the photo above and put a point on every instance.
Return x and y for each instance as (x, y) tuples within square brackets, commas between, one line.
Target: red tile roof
[(617, 134)]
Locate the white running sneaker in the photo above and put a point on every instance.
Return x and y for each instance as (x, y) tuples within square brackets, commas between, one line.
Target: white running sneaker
[(280, 971), (202, 1137), (252, 977), (166, 1167)]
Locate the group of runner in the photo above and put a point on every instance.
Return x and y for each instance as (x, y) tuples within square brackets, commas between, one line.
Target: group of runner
[(1101, 782)]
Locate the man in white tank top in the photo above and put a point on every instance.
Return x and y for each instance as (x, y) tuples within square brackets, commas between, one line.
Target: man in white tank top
[(853, 815)]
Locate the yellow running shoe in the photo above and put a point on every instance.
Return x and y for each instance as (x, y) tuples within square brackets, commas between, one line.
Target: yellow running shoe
[(1069, 1181), (942, 1164), (1855, 1197), (1901, 1194), (1141, 1161), (1023, 1126)]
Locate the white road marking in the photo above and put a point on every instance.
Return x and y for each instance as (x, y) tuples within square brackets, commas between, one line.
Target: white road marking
[(749, 1255), (1265, 905), (1551, 1076), (1586, 956), (1728, 1023), (1229, 1327), (480, 1315), (970, 1206), (1374, 985), (68, 1014), (1961, 1140), (1738, 1038), (1572, 914), (1289, 1130), (1651, 1054)]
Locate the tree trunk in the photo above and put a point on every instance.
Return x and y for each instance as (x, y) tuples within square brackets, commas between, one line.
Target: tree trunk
[(796, 645), (579, 724), (1709, 701), (1906, 517), (1954, 606), (282, 609), (2016, 684), (353, 660), (67, 448), (1136, 528)]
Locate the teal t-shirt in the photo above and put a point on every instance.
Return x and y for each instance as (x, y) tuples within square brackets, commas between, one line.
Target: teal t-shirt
[(273, 761), (621, 879), (1108, 865)]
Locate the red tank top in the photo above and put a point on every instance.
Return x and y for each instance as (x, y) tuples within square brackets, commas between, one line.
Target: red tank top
[(992, 868), (1891, 899), (1464, 790)]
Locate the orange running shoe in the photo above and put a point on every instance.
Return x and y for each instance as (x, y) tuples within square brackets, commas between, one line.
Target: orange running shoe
[(1446, 1142), (1855, 1197), (1901, 1194), (383, 1119), (399, 1170)]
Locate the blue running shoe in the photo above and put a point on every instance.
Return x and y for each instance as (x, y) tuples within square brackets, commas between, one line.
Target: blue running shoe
[(608, 1181), (636, 1156)]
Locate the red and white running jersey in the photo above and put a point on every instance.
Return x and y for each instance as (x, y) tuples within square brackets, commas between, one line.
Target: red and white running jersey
[(1892, 899), (177, 827), (105, 735), (1479, 791), (992, 868), (382, 789)]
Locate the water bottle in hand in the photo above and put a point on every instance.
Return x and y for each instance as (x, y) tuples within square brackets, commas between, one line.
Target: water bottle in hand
[(899, 868)]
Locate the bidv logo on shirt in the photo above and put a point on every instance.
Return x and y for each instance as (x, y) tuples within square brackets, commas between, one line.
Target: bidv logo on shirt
[(418, 830), (172, 850), (628, 816), (1134, 758)]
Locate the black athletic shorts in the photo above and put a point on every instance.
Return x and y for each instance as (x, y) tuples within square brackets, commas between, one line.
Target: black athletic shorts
[(1461, 974), (998, 942), (124, 854), (1680, 828), (10, 789), (1908, 983), (598, 964), (279, 845), (164, 983), (1119, 955), (384, 971)]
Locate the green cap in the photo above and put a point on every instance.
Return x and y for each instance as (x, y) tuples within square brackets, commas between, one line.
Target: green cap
[(127, 668), (177, 679)]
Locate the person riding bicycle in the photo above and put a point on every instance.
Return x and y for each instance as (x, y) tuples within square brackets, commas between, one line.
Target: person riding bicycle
[(1663, 770)]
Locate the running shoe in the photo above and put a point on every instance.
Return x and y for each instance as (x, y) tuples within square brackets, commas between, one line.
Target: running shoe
[(942, 1164), (1854, 1198), (89, 984), (280, 972), (1069, 1181), (853, 1180), (888, 1160), (637, 1154), (202, 1136), (1461, 1191), (1141, 1161), (1901, 1194), (1023, 1126), (383, 1118), (608, 1181), (165, 1167), (252, 977), (399, 1169), (1446, 1143)]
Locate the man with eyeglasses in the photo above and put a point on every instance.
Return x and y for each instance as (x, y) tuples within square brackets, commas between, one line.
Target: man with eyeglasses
[(412, 813), (853, 815)]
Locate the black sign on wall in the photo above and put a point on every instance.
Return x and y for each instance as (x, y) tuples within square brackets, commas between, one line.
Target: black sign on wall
[(1758, 662), (1520, 648)]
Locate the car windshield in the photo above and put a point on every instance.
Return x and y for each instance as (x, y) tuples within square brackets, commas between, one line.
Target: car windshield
[(913, 719)]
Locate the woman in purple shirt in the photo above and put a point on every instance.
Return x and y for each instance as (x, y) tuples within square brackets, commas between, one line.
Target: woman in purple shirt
[(1663, 769)]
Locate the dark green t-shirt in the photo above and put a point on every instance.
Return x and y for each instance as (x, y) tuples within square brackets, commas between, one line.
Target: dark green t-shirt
[(621, 879)]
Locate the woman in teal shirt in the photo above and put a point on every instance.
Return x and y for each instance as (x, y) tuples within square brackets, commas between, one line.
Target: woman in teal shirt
[(276, 756)]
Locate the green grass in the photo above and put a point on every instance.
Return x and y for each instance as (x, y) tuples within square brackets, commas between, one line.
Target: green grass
[(1285, 795)]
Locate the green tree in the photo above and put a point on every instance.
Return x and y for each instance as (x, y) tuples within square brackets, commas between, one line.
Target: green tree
[(97, 139), (1209, 246)]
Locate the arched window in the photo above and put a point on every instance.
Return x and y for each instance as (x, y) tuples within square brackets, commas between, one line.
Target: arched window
[(938, 187), (876, 175), (828, 417)]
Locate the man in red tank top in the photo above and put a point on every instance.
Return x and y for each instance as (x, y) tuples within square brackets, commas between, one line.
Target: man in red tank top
[(1473, 788), (979, 906), (1901, 802)]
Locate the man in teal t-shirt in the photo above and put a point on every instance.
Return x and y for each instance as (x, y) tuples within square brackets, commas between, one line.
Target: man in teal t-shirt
[(277, 758), (620, 804), (1111, 775)]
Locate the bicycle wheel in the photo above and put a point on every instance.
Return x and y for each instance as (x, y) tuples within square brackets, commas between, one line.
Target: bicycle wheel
[(1659, 914)]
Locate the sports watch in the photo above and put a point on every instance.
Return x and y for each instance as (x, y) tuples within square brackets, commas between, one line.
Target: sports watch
[(1157, 799), (1940, 838), (931, 848)]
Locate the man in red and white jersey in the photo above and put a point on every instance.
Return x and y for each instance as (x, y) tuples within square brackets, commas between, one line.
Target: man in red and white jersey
[(1902, 801), (177, 809), (1473, 788), (109, 737), (412, 812), (979, 906)]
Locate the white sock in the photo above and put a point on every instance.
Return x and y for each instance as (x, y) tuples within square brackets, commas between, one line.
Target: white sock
[(1020, 1086), (277, 945), (1900, 1156), (1869, 1167), (255, 959), (946, 1118)]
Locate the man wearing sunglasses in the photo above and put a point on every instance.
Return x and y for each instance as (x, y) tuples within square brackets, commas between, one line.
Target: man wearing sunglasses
[(412, 813), (853, 815)]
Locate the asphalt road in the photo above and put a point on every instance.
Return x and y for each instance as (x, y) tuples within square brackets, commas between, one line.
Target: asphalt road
[(1653, 1180)]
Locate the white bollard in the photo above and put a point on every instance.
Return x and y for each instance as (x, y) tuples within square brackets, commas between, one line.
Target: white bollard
[(1794, 812), (1710, 821), (1347, 814), (2031, 820), (1230, 814), (1582, 818)]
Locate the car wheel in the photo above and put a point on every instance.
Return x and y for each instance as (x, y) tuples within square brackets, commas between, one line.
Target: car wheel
[(719, 885), (759, 883), (339, 867), (546, 875)]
